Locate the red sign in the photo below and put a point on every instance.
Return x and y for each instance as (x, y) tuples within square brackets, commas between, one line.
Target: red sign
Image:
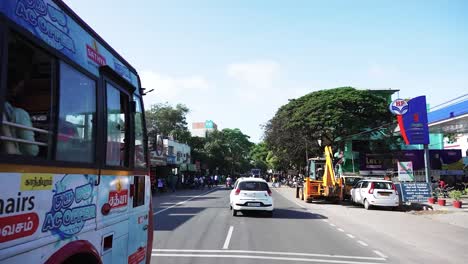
[(95, 56), (137, 257), (118, 198), (18, 226)]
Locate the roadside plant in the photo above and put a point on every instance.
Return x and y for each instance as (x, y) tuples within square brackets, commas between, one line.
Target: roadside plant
[(456, 195)]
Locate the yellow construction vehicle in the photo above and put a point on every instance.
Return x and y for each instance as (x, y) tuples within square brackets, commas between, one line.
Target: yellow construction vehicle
[(320, 182)]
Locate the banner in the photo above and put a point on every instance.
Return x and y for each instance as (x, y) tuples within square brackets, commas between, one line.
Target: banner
[(405, 171)]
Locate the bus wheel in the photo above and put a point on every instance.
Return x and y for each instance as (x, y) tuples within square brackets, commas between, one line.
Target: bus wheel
[(81, 258)]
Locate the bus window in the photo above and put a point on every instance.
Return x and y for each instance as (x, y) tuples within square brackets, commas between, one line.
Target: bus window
[(25, 126), (140, 151), (77, 109), (117, 122)]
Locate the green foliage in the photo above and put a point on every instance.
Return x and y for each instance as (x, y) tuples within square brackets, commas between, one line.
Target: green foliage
[(326, 115), (166, 120), (456, 195), (258, 155), (228, 149)]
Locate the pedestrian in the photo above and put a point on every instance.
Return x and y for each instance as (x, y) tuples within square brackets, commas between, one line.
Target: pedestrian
[(216, 179), (202, 182), (196, 182), (160, 185), (173, 182)]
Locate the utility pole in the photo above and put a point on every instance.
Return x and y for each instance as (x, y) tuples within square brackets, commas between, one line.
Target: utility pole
[(427, 164)]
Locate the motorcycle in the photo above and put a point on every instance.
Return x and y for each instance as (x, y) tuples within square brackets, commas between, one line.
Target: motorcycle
[(229, 184)]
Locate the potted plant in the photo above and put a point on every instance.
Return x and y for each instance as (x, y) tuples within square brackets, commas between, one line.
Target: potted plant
[(439, 197), (433, 199), (441, 201), (456, 196)]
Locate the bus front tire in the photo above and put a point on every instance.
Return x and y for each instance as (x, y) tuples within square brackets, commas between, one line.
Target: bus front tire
[(81, 258)]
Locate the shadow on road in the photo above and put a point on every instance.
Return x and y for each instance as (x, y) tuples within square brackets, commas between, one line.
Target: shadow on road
[(283, 213), (173, 218), (205, 198)]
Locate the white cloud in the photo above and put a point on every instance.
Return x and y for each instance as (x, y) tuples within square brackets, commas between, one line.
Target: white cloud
[(257, 74), (169, 88), (377, 70)]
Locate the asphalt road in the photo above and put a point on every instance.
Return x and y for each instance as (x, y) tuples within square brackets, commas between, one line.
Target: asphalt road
[(197, 227)]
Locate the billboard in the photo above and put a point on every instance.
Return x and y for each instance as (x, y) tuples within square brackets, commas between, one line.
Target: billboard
[(440, 160), (412, 119)]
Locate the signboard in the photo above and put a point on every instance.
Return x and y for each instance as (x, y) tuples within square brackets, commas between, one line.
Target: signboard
[(399, 107), (209, 124), (412, 119), (171, 160), (417, 192), (255, 172), (405, 171), (440, 160)]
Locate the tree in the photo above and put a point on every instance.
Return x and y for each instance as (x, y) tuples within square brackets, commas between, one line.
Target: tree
[(326, 115), (228, 150), (258, 155), (166, 120), (238, 149)]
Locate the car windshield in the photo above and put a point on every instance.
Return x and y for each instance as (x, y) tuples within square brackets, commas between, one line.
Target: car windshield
[(253, 186)]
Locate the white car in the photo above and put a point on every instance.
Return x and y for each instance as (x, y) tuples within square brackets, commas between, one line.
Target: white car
[(375, 193), (251, 194)]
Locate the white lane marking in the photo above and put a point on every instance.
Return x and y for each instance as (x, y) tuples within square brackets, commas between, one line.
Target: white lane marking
[(332, 224), (325, 220), (228, 238), (263, 252), (351, 236), (341, 230), (179, 203), (380, 254), (300, 205), (166, 203), (182, 214), (362, 243), (259, 257)]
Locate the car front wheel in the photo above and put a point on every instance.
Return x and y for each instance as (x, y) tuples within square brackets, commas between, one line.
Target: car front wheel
[(234, 212)]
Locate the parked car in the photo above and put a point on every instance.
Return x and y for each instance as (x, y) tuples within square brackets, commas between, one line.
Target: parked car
[(348, 182), (375, 193), (251, 194)]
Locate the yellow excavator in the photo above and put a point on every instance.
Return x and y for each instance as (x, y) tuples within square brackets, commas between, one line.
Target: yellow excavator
[(320, 182)]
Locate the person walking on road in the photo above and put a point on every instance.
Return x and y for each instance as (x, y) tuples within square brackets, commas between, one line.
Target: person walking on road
[(202, 182), (216, 178), (160, 185)]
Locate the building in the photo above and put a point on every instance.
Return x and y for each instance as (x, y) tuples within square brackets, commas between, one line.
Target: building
[(450, 124), (201, 129)]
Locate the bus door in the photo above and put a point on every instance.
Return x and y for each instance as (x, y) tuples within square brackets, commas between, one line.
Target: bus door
[(138, 221), (125, 191)]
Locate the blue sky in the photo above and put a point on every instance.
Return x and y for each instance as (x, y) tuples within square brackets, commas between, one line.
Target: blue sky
[(236, 62)]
